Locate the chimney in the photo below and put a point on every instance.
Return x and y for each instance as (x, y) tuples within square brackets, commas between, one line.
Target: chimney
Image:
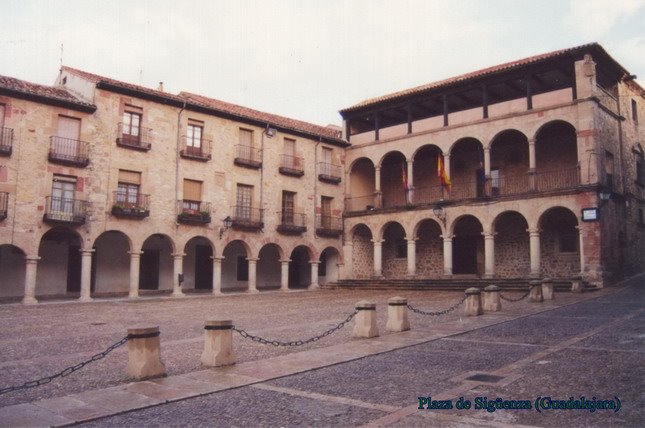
[(160, 88)]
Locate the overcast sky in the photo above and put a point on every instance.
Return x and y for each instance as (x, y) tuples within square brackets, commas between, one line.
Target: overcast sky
[(303, 59)]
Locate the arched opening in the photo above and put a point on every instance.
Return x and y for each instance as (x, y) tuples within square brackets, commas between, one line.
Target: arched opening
[(509, 163), (111, 263), (156, 268), (328, 267), (299, 268), (12, 271), (198, 264), (559, 243), (393, 190), (395, 251), (59, 268), (269, 268), (468, 247), (556, 156), (362, 186), (467, 169), (235, 267), (429, 249), (427, 186), (512, 250), (362, 252)]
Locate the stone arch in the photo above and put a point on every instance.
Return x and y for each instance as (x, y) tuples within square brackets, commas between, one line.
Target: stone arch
[(427, 186), (362, 185), (12, 271), (269, 269), (156, 267), (467, 246), (429, 249), (111, 262), (556, 156), (394, 250), (467, 169), (362, 251), (59, 268), (393, 165), (512, 247), (509, 163), (300, 267), (235, 265), (559, 242), (328, 270), (198, 263)]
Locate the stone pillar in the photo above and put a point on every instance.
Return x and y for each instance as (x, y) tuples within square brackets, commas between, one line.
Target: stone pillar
[(314, 275), (378, 196), (487, 161), (447, 255), (410, 192), (532, 154), (473, 302), (489, 254), (135, 266), (412, 257), (178, 268), (86, 275), (378, 258), (284, 275), (547, 289), (348, 256), (253, 264), (365, 320), (535, 291), (218, 343), (581, 246), (217, 274), (397, 314), (577, 286), (492, 302), (31, 268), (534, 249), (144, 353)]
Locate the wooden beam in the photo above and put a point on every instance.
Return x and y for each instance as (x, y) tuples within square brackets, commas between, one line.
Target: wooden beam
[(529, 93), (377, 124), (409, 111), (445, 110), (485, 101)]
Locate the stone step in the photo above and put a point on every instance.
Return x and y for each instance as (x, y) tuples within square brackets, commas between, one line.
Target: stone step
[(442, 284)]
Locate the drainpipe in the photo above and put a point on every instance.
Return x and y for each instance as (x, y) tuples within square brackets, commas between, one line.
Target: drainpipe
[(262, 171), (177, 160), (316, 180)]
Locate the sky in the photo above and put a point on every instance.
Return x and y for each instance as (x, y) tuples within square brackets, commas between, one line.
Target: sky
[(304, 59)]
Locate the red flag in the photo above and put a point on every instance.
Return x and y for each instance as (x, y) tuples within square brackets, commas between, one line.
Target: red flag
[(442, 173)]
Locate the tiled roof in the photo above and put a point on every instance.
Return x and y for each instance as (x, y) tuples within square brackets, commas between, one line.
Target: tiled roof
[(52, 93), (473, 75)]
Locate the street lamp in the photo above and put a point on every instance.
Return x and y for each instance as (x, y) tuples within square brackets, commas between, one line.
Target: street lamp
[(604, 196), (228, 222), (440, 214)]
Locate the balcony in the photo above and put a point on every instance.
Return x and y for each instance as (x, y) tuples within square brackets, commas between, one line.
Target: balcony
[(134, 138), (245, 217), (4, 205), (329, 226), (70, 152), (130, 205), (292, 223), (193, 212), (195, 150), (248, 157), (6, 141), (329, 173), (65, 211), (291, 165)]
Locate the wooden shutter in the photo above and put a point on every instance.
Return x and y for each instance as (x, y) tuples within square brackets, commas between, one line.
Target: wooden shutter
[(130, 177), (326, 158), (289, 147), (192, 190), (246, 137), (69, 127)]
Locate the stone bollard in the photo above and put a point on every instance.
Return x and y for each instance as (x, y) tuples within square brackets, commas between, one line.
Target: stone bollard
[(535, 291), (144, 353), (397, 314), (577, 285), (365, 322), (547, 289), (492, 302), (473, 302), (218, 343)]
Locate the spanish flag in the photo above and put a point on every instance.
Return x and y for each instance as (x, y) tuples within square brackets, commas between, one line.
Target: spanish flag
[(442, 173)]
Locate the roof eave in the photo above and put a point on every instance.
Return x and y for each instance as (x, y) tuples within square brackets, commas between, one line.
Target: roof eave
[(58, 102)]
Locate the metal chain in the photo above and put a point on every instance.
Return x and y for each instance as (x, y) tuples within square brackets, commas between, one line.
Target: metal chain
[(522, 297), (264, 341), (66, 372), (434, 314)]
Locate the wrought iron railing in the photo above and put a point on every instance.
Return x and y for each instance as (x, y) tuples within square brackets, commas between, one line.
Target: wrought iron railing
[(291, 165), (64, 210), (138, 138), (4, 205), (362, 203), (247, 216), (126, 204), (329, 225), (291, 220), (329, 172), (193, 211), (195, 149), (557, 179), (248, 156), (69, 151), (6, 141)]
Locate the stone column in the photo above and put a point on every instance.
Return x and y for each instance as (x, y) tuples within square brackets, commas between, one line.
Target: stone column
[(532, 172), (581, 247), (397, 314), (135, 266), (144, 353), (547, 289), (218, 343), (348, 256), (86, 275), (284, 275), (378, 196), (178, 268), (487, 162), (535, 291), (365, 320), (492, 302), (410, 182), (378, 258), (412, 257), (489, 254), (31, 268), (473, 302), (253, 264), (534, 248), (447, 255), (217, 274), (314, 275)]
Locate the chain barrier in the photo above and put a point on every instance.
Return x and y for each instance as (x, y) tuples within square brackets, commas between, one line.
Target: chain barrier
[(264, 341), (434, 314), (68, 371), (522, 297)]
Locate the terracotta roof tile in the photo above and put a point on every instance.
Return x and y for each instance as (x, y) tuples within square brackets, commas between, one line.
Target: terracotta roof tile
[(34, 89)]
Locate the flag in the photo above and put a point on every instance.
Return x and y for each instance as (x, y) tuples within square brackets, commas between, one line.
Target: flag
[(443, 174)]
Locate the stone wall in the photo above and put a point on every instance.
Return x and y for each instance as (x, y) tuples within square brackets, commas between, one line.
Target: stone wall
[(512, 253), (363, 256)]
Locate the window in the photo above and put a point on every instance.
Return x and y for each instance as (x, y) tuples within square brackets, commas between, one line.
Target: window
[(194, 139), (327, 155), (244, 201), (325, 212), (634, 111), (62, 199), (68, 133), (289, 151), (288, 199), (609, 169), (192, 196), (132, 122), (246, 137), (128, 188)]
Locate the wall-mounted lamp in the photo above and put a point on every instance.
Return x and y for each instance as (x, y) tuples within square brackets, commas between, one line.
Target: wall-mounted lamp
[(440, 214), (228, 222), (604, 196), (270, 132)]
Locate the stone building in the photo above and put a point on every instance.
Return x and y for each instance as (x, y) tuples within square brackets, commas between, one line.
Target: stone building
[(112, 188)]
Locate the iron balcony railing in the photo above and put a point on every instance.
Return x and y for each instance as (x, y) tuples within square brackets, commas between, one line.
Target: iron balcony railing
[(64, 210), (245, 216), (328, 225), (134, 205), (193, 212), (6, 141), (291, 165), (248, 156), (4, 205), (329, 172), (292, 222), (362, 203), (195, 149), (68, 151), (137, 138)]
